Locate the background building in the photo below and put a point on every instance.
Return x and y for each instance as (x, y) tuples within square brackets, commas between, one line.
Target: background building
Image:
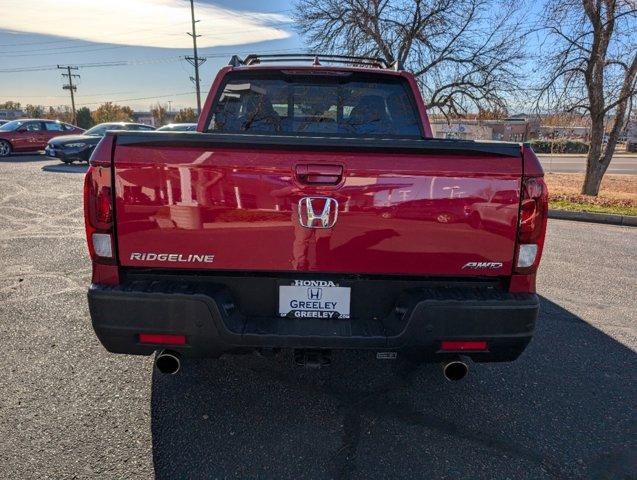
[(514, 129), (631, 137), (10, 114)]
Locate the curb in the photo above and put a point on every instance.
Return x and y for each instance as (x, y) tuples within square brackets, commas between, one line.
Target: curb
[(607, 218)]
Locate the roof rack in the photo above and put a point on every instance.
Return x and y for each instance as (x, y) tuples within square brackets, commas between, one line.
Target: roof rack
[(316, 59)]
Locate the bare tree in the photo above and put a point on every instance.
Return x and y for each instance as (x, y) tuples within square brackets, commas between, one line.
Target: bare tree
[(592, 69), (34, 111), (463, 52)]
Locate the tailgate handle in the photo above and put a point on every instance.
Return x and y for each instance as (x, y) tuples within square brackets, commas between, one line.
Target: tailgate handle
[(319, 174)]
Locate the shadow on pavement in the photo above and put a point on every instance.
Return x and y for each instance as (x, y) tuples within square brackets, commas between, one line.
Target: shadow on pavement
[(25, 158), (65, 168), (565, 409)]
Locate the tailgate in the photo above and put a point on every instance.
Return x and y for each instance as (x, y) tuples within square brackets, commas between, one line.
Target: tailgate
[(250, 209)]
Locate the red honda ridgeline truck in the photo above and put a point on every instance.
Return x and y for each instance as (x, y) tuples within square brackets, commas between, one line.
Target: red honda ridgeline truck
[(314, 210)]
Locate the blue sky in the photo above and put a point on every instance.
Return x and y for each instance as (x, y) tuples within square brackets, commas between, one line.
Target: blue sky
[(155, 72)]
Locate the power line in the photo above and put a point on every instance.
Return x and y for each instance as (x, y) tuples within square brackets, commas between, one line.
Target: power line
[(40, 68), (124, 63), (84, 95), (119, 63), (138, 98)]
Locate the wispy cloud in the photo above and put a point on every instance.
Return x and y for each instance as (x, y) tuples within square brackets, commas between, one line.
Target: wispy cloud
[(148, 23)]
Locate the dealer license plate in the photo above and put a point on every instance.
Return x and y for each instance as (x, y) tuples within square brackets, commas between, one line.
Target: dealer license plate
[(314, 299)]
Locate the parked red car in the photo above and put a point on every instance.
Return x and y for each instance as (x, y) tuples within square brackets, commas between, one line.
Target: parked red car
[(28, 135), (313, 210)]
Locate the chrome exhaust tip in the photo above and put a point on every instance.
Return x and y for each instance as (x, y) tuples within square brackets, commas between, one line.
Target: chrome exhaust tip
[(454, 370), (168, 362)]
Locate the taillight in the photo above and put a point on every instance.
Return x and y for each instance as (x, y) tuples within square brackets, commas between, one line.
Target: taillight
[(104, 207), (98, 200), (534, 208), (532, 225), (98, 213)]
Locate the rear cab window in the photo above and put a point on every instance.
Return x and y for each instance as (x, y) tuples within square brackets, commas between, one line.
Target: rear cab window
[(335, 104)]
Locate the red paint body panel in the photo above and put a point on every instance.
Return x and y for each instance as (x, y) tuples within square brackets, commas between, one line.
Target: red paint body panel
[(522, 283), (105, 274), (532, 165), (416, 214)]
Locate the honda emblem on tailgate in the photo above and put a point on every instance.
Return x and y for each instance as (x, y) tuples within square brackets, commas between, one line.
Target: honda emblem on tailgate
[(318, 212)]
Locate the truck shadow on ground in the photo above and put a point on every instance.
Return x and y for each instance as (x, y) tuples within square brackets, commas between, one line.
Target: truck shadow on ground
[(563, 410), (65, 168)]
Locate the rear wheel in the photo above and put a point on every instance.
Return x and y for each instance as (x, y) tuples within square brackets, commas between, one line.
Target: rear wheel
[(5, 148)]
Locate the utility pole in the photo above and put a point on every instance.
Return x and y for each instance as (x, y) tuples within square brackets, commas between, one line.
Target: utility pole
[(195, 60), (70, 86)]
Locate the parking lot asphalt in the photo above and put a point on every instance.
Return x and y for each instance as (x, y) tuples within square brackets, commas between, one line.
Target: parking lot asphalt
[(68, 409)]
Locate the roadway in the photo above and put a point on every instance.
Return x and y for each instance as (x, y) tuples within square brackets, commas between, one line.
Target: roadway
[(68, 409), (620, 164)]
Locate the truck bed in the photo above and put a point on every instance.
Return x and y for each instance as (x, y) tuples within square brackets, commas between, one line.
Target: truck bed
[(232, 202)]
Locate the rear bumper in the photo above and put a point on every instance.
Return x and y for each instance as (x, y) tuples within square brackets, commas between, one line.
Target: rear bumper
[(210, 316)]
